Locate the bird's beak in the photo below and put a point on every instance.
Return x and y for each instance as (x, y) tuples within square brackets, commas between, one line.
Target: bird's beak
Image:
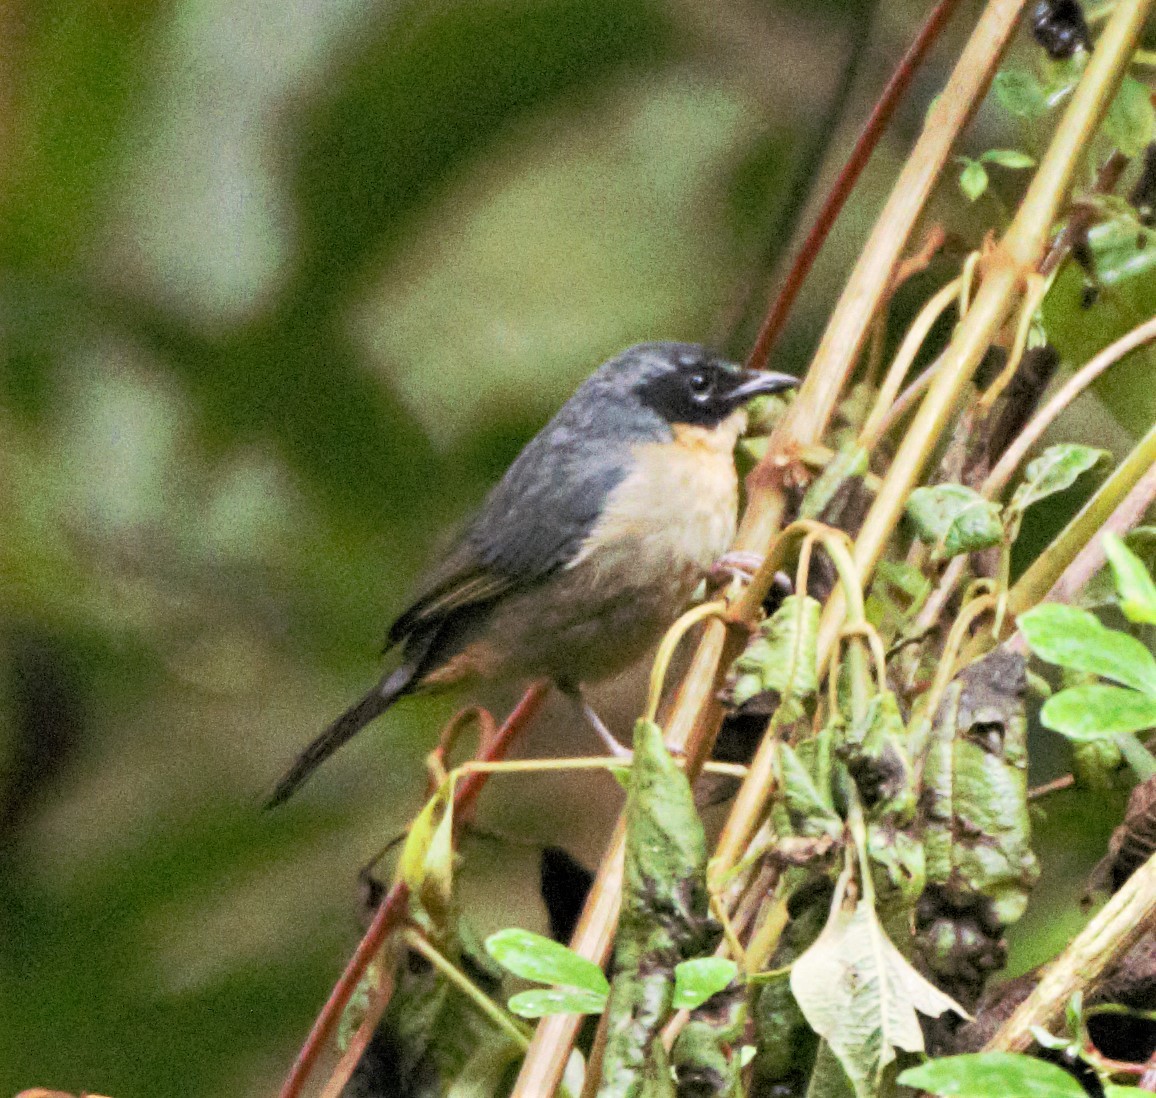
[(760, 383)]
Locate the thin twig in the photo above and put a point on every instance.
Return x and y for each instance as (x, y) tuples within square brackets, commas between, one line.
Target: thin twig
[(861, 152), (394, 908)]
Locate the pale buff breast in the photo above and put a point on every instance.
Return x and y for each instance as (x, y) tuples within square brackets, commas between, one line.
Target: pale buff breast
[(675, 513), (662, 527)]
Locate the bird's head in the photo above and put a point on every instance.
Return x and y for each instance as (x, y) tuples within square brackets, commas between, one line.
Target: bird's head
[(684, 384)]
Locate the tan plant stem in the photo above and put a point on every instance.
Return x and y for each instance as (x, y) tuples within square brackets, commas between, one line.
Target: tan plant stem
[(1123, 921), (999, 293), (1001, 290), (868, 284), (1132, 482), (507, 1023), (998, 478), (696, 712), (904, 357)]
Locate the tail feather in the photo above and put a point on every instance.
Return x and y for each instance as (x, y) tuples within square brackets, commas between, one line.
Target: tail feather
[(340, 732)]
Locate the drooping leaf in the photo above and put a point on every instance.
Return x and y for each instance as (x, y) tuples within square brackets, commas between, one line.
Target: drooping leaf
[(1133, 581), (698, 979), (809, 813), (534, 957), (782, 657), (972, 179), (1055, 470), (1075, 639), (954, 519), (665, 911), (861, 995), (1012, 159), (1092, 712), (1131, 121), (992, 1075), (541, 1001)]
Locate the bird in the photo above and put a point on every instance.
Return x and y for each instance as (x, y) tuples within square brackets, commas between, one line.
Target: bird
[(589, 546)]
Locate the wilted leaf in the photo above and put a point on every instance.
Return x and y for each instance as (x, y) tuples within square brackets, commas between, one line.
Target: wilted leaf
[(861, 995), (1055, 470), (954, 519), (782, 656), (534, 957), (1130, 119), (665, 909), (698, 979), (1133, 581), (541, 1001), (809, 813), (992, 1075), (1008, 158), (1090, 712), (972, 179), (1075, 639)]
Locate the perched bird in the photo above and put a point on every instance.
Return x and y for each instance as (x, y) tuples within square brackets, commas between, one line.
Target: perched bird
[(589, 546)]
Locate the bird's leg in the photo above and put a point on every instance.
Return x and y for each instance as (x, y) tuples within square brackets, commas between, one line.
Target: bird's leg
[(742, 565), (574, 693)]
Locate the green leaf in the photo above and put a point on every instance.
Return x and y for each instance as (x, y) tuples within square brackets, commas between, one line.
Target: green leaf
[(1089, 712), (992, 1075), (1055, 470), (1074, 638), (973, 179), (782, 656), (698, 979), (1131, 121), (1008, 158), (534, 957), (861, 995), (541, 1001), (1133, 581), (1020, 93), (954, 519)]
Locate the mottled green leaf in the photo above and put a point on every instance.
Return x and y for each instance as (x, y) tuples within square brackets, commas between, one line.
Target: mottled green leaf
[(1089, 712), (1133, 581), (698, 979), (1131, 121), (665, 910), (541, 1001), (782, 656), (809, 812), (534, 957), (992, 1075), (954, 519), (1075, 639)]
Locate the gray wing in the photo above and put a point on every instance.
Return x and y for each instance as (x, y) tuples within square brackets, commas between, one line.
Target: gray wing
[(531, 524)]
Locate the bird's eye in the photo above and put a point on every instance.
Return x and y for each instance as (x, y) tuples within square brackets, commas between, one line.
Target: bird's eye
[(701, 385)]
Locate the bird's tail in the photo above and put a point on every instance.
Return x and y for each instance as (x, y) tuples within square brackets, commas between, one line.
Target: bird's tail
[(352, 721)]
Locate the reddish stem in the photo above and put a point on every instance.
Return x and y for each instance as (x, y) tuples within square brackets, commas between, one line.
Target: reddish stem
[(864, 146), (395, 906)]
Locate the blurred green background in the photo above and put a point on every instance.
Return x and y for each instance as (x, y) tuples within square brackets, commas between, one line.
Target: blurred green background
[(284, 285)]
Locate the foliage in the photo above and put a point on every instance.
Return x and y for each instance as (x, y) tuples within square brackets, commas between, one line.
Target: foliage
[(222, 438)]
